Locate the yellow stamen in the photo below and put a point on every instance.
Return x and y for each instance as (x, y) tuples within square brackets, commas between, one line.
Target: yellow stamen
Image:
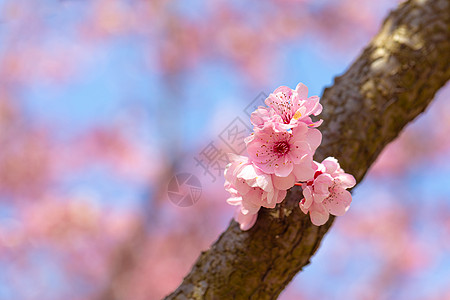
[(297, 115)]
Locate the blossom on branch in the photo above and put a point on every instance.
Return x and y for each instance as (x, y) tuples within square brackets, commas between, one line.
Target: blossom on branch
[(250, 188), (327, 193), (287, 108), (280, 152)]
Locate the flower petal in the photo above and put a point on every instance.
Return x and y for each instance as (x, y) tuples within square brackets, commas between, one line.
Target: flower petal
[(234, 200), (322, 183), (307, 193), (247, 173), (331, 164), (259, 116), (251, 203), (313, 106), (284, 90), (241, 186), (302, 91), (245, 221), (314, 138), (301, 204), (338, 202), (280, 196), (345, 180), (318, 214), (283, 183), (318, 198), (304, 170), (283, 169), (298, 151)]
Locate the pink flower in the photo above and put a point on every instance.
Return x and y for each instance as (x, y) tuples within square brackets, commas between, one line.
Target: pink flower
[(326, 193), (282, 153), (251, 189), (286, 108)]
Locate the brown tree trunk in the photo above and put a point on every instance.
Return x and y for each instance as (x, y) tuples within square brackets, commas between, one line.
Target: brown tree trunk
[(390, 84)]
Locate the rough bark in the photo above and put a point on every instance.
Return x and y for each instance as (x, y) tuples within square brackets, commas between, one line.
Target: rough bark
[(392, 82)]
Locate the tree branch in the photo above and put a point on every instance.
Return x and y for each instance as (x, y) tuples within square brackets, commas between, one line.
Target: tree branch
[(391, 83)]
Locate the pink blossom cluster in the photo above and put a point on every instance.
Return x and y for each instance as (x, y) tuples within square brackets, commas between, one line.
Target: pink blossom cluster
[(280, 155)]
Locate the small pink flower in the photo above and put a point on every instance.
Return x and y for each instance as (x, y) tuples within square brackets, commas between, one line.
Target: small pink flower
[(286, 108), (282, 153), (326, 193), (250, 189)]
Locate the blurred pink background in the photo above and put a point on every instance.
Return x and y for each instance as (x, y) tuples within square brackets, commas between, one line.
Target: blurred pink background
[(103, 102)]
